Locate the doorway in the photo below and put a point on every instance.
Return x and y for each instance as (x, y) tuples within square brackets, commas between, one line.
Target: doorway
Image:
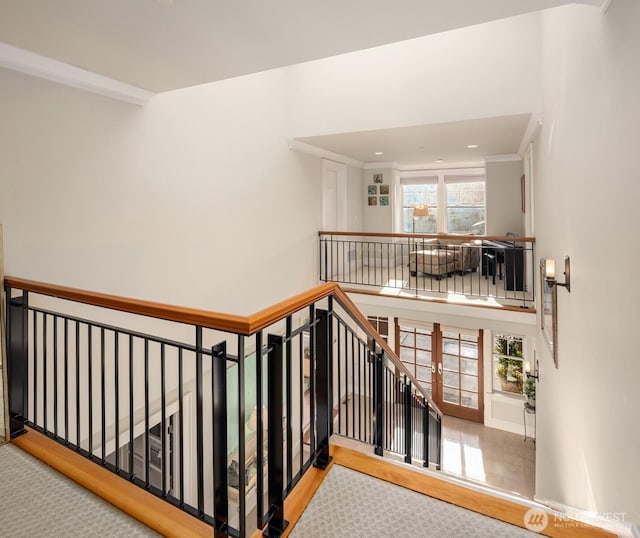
[(447, 361)]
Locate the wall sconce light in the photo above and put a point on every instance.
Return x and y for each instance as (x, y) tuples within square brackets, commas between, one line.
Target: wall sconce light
[(550, 274), (528, 372)]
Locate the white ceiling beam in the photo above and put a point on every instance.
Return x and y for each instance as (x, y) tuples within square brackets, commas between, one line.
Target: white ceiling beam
[(27, 62)]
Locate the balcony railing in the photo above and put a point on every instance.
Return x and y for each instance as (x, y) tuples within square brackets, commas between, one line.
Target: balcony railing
[(219, 415), (494, 268)]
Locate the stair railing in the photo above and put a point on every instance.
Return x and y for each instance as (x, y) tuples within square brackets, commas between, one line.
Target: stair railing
[(218, 414)]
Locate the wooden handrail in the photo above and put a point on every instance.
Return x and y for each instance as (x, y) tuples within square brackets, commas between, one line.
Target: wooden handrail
[(245, 325), (433, 236)]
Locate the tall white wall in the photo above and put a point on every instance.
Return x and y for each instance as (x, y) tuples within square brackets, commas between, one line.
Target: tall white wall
[(479, 71), (355, 204), (378, 218), (187, 200), (586, 203), (504, 200)]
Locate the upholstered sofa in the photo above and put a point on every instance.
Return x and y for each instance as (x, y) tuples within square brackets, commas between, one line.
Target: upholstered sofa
[(440, 256)]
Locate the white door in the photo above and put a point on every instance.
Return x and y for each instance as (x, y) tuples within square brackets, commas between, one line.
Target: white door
[(334, 196)]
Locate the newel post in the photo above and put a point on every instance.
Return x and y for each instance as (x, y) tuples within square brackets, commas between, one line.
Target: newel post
[(17, 361)]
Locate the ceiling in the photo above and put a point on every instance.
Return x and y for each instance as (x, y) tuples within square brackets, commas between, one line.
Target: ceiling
[(161, 45), (423, 144)]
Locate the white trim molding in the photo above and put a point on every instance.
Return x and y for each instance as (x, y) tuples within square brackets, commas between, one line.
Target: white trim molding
[(27, 62), (507, 157), (535, 122), (303, 147)]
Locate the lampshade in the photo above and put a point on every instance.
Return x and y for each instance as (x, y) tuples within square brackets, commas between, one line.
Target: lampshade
[(550, 268), (420, 211)]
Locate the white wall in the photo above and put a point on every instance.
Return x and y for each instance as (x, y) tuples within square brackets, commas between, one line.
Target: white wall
[(480, 71), (378, 218), (355, 199), (504, 200), (586, 206), (187, 200)]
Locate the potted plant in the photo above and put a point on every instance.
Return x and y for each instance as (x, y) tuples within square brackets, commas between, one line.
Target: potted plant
[(530, 391)]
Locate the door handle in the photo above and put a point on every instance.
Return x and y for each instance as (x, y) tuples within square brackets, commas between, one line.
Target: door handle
[(440, 369), (433, 368)]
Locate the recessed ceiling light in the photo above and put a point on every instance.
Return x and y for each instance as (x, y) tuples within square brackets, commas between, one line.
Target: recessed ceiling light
[(378, 153), (439, 160), (471, 146)]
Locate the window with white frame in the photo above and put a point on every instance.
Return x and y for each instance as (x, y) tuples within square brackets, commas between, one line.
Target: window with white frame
[(455, 198), (508, 363)]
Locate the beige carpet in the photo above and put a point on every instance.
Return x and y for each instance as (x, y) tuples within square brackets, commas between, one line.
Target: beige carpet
[(352, 504), (37, 501)]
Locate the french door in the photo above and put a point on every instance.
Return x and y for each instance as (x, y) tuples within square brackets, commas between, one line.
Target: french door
[(447, 362)]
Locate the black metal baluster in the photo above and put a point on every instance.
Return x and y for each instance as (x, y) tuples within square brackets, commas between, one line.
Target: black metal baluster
[(260, 434), (219, 416), (131, 408), (425, 432), (353, 387), (116, 378), (301, 402), (339, 349), (45, 362), (78, 385), (359, 392), (90, 385), (379, 402), (242, 420), (408, 425), (103, 405), (66, 382), (312, 381), (323, 359), (199, 424), (181, 424), (17, 360), (55, 376), (277, 524), (147, 448), (346, 381), (288, 411), (163, 402), (35, 367)]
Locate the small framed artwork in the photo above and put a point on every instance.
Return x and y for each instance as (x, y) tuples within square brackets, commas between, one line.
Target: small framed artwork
[(384, 200), (373, 200), (372, 189), (384, 189), (549, 316), (377, 178)]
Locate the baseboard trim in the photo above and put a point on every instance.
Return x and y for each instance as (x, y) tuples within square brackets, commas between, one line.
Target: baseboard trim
[(473, 500), (153, 512)]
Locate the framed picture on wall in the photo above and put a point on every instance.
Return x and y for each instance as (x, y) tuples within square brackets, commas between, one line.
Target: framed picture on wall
[(384, 189), (373, 200), (372, 189), (377, 178), (549, 313), (384, 200)]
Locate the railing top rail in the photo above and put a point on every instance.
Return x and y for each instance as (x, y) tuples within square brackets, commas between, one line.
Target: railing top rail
[(515, 239), (245, 325)]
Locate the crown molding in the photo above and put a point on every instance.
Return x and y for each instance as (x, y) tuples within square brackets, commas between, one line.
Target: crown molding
[(535, 122), (507, 157), (380, 165), (35, 65), (303, 147), (605, 6)]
